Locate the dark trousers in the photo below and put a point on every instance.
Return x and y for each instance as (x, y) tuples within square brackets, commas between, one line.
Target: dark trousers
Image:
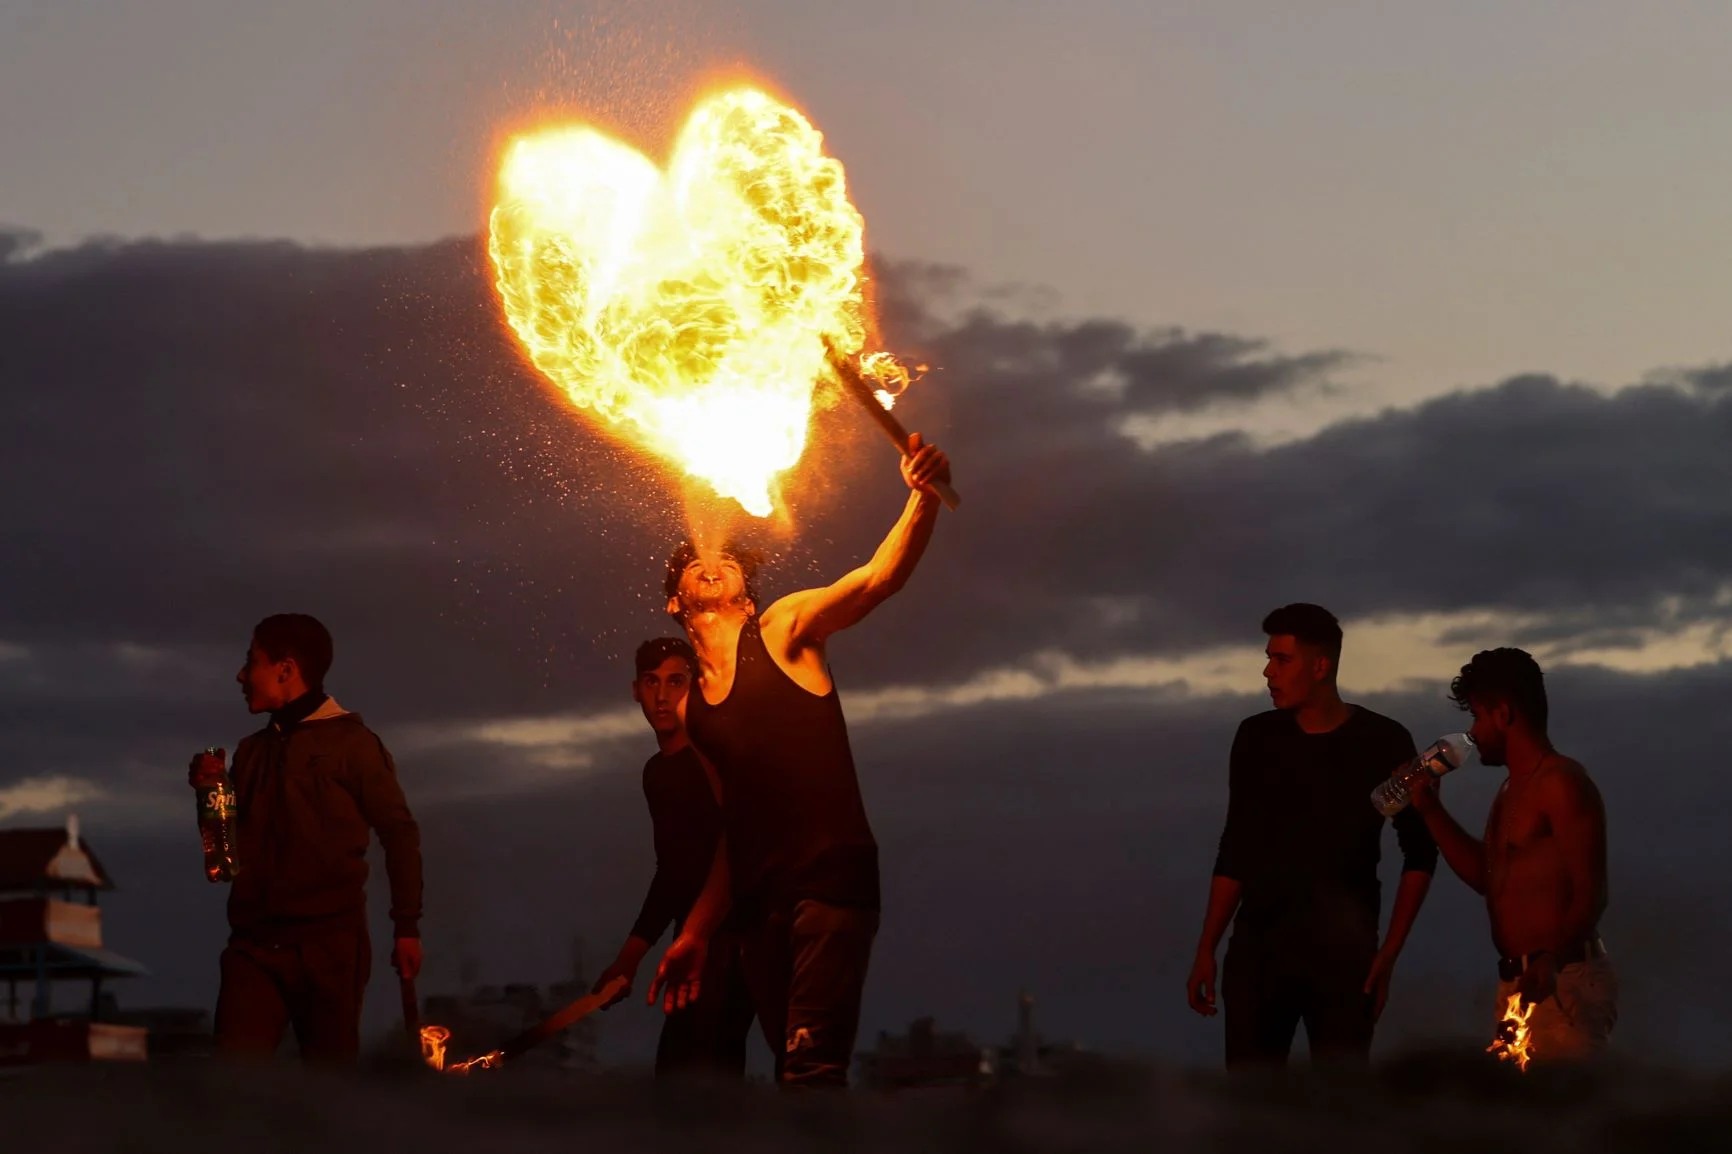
[(709, 1037), (312, 980), (806, 969), (1268, 989)]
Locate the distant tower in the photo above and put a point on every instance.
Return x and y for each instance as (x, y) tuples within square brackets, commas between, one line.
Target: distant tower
[(1027, 1046), (575, 1048), (579, 968), (468, 973)]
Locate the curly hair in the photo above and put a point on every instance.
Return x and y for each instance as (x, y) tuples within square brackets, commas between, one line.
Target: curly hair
[(1508, 675)]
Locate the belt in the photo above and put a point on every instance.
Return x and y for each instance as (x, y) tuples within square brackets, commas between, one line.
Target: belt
[(1582, 950)]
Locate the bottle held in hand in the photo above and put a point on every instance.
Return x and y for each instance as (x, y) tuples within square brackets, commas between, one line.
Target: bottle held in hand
[(216, 816), (1441, 756)]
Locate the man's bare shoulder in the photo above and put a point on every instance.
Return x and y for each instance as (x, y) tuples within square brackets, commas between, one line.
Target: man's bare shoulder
[(782, 620), (784, 610), (1564, 780)]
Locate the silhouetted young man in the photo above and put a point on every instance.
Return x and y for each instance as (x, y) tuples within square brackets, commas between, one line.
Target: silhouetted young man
[(1541, 865), (308, 786), (709, 1035), (799, 862), (1296, 872)]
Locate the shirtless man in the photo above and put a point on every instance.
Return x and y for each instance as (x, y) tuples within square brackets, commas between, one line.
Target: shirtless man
[(1542, 864)]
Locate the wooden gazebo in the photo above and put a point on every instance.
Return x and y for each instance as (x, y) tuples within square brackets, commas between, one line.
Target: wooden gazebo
[(51, 932)]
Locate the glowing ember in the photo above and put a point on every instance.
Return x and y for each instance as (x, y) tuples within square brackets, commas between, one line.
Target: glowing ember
[(486, 1061), (1511, 1042), (687, 308)]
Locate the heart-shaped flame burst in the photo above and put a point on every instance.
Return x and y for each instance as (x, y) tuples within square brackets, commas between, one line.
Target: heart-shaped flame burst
[(688, 309)]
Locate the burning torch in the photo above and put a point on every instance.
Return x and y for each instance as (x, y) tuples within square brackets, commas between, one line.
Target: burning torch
[(411, 1009), (863, 392), (434, 1038)]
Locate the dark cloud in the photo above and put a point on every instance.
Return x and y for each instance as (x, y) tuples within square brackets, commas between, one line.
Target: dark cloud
[(1534, 495), (17, 242), (196, 435), (213, 431)]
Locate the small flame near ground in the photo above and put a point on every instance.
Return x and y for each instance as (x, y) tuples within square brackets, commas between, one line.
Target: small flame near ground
[(433, 1039), (433, 1043), (1511, 1042)]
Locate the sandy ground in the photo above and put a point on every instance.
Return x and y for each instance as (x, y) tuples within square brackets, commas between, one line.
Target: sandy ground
[(1420, 1102)]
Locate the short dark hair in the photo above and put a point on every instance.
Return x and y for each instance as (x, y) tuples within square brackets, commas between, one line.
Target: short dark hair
[(652, 653), (283, 636), (686, 552), (1509, 675), (1311, 624)]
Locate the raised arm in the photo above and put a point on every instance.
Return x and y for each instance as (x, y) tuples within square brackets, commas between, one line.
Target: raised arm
[(1464, 852), (812, 615)]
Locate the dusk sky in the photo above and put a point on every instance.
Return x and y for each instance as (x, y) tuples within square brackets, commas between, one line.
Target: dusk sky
[(1416, 310)]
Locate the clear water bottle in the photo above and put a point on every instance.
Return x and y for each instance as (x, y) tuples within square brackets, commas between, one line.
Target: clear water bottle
[(1441, 756)]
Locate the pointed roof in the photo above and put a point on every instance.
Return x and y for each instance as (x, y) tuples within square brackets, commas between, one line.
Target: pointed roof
[(33, 858)]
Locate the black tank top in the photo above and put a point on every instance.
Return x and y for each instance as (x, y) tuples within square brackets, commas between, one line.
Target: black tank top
[(791, 805)]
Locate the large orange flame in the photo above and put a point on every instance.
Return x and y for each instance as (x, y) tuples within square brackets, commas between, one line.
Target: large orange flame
[(686, 308), (1511, 1043)]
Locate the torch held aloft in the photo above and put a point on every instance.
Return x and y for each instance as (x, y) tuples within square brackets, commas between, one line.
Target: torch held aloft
[(862, 392)]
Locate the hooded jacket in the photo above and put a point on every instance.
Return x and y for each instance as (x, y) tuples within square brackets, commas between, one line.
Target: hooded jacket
[(307, 795)]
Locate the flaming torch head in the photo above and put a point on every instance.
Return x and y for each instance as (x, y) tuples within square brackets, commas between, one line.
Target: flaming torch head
[(1511, 1043), (433, 1040), (687, 309)]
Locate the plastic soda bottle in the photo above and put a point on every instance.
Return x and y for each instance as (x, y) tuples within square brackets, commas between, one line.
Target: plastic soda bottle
[(216, 825), (1446, 753)]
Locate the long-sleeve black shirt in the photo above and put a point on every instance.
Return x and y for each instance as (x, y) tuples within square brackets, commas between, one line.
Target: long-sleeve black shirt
[(311, 788), (1302, 836), (687, 823)]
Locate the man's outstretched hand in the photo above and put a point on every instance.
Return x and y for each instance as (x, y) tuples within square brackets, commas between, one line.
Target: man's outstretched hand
[(624, 967), (923, 465), (680, 975)]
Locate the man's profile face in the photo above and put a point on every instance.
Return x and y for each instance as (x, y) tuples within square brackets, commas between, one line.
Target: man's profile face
[(711, 582), (1293, 671), (263, 682), (1490, 730), (661, 692)]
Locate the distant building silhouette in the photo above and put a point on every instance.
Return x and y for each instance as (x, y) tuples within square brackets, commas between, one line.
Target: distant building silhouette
[(926, 1057)]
